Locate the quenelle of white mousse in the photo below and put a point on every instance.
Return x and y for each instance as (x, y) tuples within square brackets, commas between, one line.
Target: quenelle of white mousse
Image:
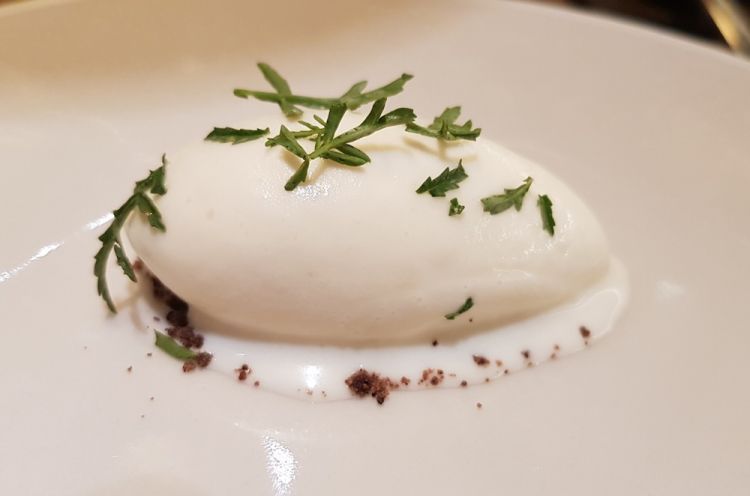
[(354, 255)]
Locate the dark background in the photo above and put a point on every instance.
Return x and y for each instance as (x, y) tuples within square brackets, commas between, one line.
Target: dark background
[(687, 16)]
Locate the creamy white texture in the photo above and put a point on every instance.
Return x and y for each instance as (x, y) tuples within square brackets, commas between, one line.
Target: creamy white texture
[(354, 255)]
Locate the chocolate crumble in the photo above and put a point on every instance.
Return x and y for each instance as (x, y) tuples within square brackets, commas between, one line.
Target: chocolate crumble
[(435, 342), (186, 335), (256, 383), (526, 354), (464, 383), (364, 383), (243, 372), (480, 360), (130, 369), (585, 333), (405, 381), (479, 405)]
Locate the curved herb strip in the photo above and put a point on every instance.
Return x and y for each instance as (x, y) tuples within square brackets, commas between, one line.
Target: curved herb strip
[(235, 136), (511, 198), (444, 127), (545, 208), (110, 239), (464, 308), (173, 348), (353, 98), (455, 208), (446, 181)]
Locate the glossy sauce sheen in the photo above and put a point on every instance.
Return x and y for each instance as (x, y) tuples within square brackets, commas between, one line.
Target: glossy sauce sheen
[(354, 256)]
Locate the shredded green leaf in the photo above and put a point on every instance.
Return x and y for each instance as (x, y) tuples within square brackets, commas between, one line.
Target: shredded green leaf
[(444, 127), (173, 348), (446, 181), (511, 198), (455, 208), (545, 208), (464, 308), (235, 136), (110, 238)]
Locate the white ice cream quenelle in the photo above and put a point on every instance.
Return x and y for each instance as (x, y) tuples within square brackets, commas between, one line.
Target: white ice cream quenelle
[(354, 255)]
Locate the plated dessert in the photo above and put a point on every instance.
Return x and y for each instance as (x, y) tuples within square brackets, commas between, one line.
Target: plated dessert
[(368, 237)]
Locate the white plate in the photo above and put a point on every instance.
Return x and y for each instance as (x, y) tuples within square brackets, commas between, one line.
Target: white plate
[(651, 130)]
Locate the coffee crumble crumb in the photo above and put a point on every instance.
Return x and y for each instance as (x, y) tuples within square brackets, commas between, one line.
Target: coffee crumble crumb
[(471, 320), (486, 379), (157, 318), (585, 334), (498, 363), (186, 335), (553, 356), (405, 381), (506, 372), (151, 398), (130, 368), (178, 319), (243, 372), (526, 354), (203, 359), (256, 383), (464, 383), (557, 347), (149, 354), (364, 383), (435, 342), (479, 405), (189, 366), (138, 265), (480, 360)]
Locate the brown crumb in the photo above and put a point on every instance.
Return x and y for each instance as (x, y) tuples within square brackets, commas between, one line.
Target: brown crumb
[(498, 363), (405, 381), (464, 383), (151, 398), (363, 383), (325, 395), (130, 369), (138, 265), (157, 319), (506, 372), (256, 383), (143, 415), (432, 377), (176, 318), (553, 356), (189, 366), (203, 359), (149, 354), (486, 379), (480, 360), (435, 342), (526, 354), (479, 405), (186, 335), (243, 372), (471, 320), (557, 347), (585, 333)]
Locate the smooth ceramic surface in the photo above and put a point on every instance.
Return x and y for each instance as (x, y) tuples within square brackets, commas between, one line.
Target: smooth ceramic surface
[(650, 130)]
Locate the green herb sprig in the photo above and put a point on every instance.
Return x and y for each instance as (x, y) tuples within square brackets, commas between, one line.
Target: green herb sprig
[(110, 239), (235, 136), (335, 147), (511, 198), (352, 99), (545, 208), (464, 308), (444, 127), (455, 208), (173, 348), (447, 180)]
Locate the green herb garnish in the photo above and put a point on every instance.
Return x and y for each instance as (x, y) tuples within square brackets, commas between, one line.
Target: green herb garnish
[(446, 181), (455, 208), (141, 201), (173, 348), (545, 208), (335, 147), (353, 98), (464, 308), (444, 127), (235, 136), (511, 198)]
